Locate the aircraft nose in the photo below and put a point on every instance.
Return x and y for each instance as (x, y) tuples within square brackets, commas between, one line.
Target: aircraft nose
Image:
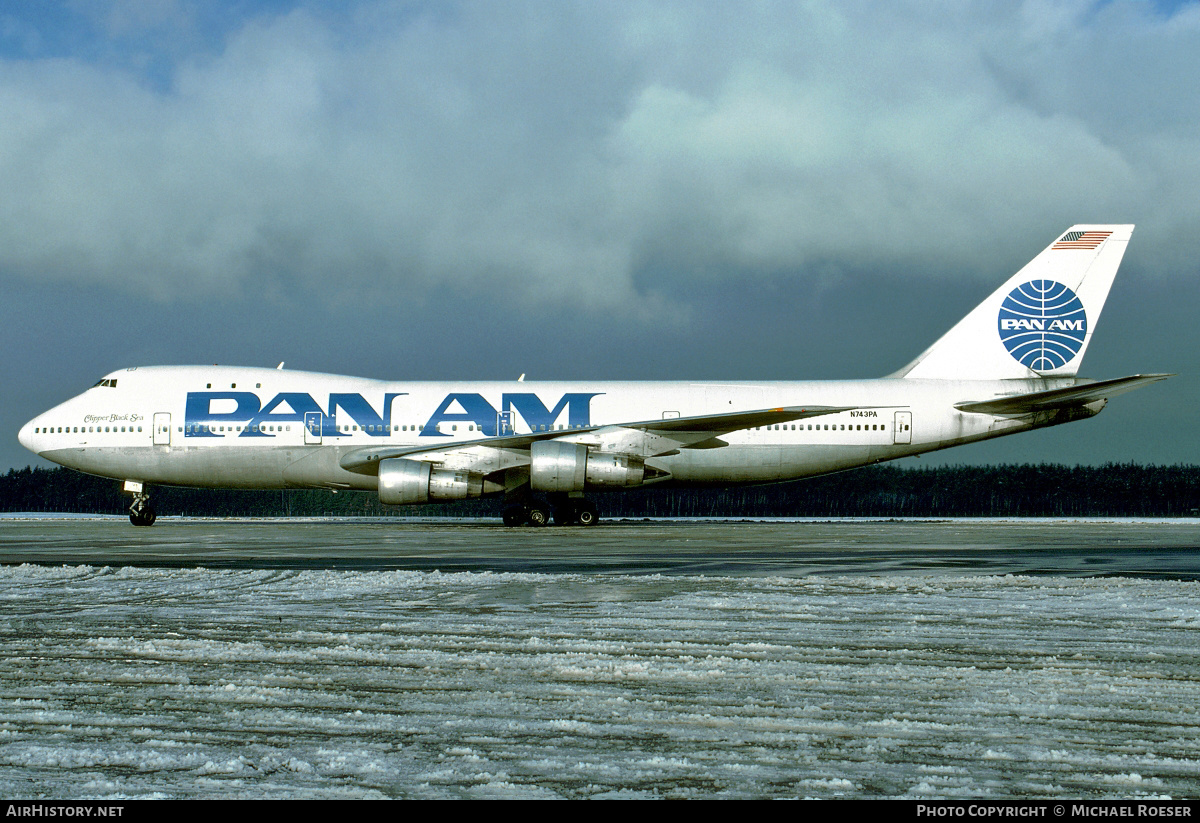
[(26, 437)]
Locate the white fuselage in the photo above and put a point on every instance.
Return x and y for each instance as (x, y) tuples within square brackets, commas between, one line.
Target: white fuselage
[(229, 427)]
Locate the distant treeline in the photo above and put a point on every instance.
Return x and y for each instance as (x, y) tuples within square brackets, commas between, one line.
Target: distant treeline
[(1119, 490)]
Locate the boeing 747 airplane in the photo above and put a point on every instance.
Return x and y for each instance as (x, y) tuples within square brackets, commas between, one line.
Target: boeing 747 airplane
[(1009, 366)]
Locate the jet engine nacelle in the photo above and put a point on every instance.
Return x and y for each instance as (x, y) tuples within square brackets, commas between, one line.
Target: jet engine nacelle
[(569, 467), (412, 481)]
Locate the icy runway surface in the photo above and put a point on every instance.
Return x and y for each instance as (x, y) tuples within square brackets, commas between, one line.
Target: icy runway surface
[(946, 681)]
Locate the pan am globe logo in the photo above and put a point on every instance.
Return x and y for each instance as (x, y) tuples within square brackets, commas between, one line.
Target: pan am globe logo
[(1042, 324)]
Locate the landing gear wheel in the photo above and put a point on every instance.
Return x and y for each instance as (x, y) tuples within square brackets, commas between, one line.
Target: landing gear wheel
[(586, 514), (143, 515), (539, 515)]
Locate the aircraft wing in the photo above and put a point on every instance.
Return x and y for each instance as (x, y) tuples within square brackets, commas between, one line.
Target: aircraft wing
[(666, 434), (1060, 398)]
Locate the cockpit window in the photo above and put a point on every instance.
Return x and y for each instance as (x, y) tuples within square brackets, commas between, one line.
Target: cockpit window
[(108, 381)]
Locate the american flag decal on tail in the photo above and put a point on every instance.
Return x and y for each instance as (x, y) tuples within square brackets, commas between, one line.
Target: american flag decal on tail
[(1080, 240)]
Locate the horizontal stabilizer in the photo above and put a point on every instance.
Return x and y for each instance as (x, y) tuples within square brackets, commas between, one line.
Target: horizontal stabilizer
[(1060, 398)]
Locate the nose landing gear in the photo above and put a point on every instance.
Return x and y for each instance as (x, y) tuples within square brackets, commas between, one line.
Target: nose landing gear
[(141, 513)]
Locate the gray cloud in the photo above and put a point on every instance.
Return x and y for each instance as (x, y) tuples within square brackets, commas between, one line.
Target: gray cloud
[(563, 155)]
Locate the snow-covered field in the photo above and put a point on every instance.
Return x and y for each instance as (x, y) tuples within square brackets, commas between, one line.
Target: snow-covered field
[(129, 682)]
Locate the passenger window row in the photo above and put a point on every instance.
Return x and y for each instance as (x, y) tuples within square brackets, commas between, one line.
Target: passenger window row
[(828, 427), (206, 427), (380, 428), (82, 429)]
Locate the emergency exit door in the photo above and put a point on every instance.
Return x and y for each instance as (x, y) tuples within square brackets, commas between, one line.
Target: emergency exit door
[(902, 431)]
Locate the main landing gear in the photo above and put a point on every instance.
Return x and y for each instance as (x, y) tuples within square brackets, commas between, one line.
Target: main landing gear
[(571, 511), (141, 513)]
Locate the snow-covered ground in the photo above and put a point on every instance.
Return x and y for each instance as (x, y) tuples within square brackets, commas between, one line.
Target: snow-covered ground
[(214, 683)]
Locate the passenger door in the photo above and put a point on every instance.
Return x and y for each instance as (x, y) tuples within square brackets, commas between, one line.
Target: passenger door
[(162, 429), (312, 428)]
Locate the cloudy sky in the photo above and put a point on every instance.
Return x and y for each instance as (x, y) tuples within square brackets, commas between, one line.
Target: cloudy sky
[(795, 190)]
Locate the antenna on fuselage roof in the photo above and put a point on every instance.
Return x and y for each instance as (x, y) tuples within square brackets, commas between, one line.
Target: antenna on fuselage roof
[(521, 379), (280, 366)]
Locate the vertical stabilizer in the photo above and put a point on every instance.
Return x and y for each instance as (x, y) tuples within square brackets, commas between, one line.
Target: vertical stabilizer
[(1040, 322)]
